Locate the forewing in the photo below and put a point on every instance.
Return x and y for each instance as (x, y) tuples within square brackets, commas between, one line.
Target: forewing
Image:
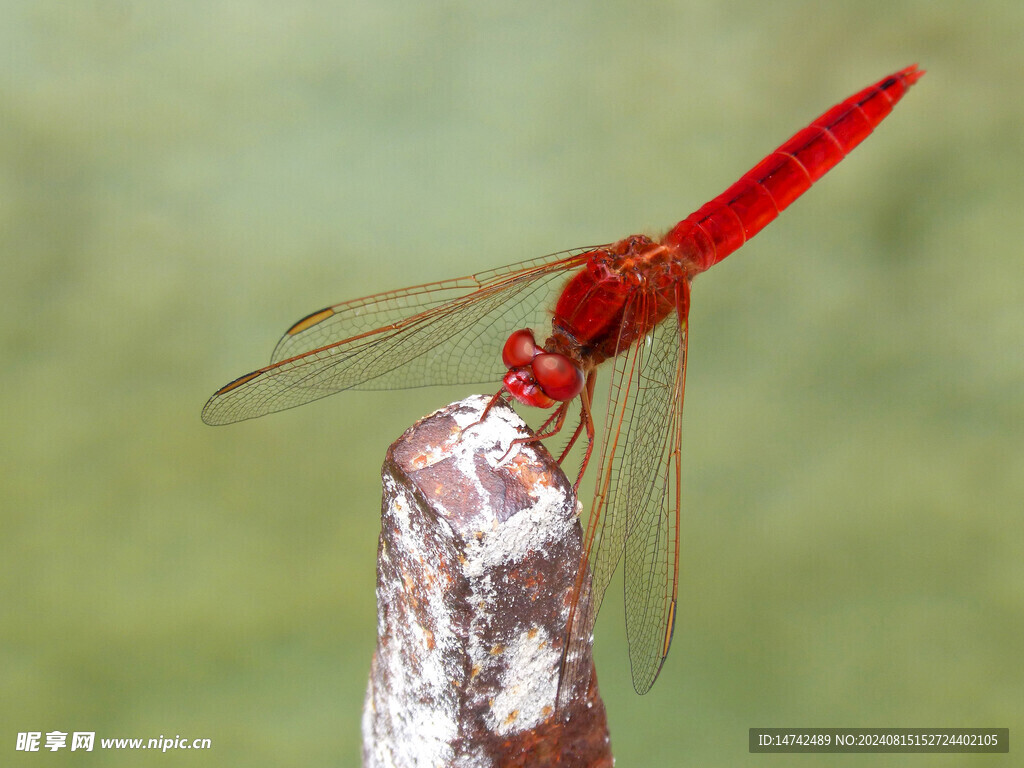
[(359, 316), (441, 333)]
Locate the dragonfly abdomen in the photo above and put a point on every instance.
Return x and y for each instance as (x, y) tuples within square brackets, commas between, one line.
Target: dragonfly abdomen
[(722, 225)]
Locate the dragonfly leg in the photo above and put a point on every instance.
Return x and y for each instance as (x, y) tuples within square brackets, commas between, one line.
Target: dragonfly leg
[(558, 417), (572, 440), (586, 420), (584, 412), (547, 422), (487, 409)]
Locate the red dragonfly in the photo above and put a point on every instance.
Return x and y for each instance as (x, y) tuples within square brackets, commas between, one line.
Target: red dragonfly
[(626, 303)]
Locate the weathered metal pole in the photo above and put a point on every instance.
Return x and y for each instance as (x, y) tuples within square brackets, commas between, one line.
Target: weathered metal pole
[(476, 562)]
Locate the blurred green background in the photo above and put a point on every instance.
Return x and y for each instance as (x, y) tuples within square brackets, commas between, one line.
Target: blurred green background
[(180, 182)]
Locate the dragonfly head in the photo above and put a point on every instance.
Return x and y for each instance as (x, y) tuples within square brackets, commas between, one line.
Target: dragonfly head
[(536, 377)]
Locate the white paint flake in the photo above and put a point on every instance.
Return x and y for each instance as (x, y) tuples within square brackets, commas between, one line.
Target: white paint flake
[(528, 685)]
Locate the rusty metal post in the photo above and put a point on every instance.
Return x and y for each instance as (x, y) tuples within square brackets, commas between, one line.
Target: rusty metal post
[(476, 561)]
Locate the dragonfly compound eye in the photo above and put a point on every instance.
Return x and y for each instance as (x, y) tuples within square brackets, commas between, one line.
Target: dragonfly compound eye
[(520, 349), (559, 377)]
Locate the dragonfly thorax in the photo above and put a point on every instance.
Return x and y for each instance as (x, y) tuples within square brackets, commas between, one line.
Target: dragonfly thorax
[(622, 293)]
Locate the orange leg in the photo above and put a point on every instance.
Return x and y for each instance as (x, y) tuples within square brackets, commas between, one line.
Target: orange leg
[(558, 417), (549, 429), (487, 409), (572, 440), (586, 420)]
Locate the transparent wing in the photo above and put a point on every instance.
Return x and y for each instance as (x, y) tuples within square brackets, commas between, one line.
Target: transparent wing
[(374, 313), (447, 332), (647, 489), (635, 512)]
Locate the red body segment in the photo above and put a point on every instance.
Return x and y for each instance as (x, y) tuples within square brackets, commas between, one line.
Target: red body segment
[(718, 228), (627, 288), (621, 294)]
